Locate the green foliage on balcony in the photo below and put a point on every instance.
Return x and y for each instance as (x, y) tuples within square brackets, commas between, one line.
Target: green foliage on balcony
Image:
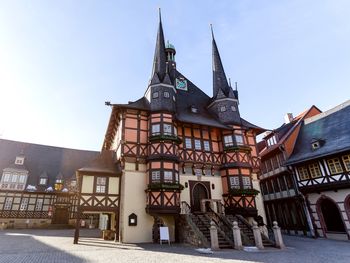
[(164, 137), (241, 192), (164, 186)]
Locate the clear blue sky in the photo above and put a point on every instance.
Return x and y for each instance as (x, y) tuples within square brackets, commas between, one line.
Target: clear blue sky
[(61, 60)]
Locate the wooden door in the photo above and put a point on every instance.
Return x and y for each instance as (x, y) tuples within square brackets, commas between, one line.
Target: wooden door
[(61, 215), (199, 192)]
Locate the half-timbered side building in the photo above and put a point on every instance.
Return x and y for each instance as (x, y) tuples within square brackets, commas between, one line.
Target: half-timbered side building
[(38, 185), (181, 150), (321, 165), (282, 200)]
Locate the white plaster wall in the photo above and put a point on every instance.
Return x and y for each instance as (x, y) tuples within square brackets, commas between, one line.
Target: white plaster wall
[(133, 200), (258, 199)]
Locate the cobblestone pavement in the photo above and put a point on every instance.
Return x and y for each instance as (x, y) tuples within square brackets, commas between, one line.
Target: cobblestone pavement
[(57, 246)]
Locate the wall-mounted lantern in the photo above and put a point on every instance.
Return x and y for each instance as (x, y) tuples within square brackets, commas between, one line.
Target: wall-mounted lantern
[(132, 219)]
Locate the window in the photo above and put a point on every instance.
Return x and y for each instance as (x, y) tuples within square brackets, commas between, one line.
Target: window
[(167, 129), (8, 203), (228, 140), (222, 108), (207, 172), (271, 141), (315, 170), (234, 182), (233, 108), (43, 181), (168, 176), (155, 176), (39, 205), (188, 143), (176, 177), (155, 129), (175, 131), (315, 145), (6, 177), (24, 204), (246, 182), (14, 178), (346, 161), (198, 172), (194, 109), (22, 179), (303, 173), (155, 95), (239, 139), (101, 184), (166, 94), (206, 146), (197, 144), (334, 166)]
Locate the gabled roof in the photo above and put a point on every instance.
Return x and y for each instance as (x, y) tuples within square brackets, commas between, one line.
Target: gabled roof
[(332, 127), (285, 130), (104, 163), (42, 158)]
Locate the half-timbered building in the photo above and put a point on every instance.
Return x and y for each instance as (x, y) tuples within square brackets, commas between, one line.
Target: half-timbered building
[(321, 165), (282, 200), (37, 184), (178, 150)]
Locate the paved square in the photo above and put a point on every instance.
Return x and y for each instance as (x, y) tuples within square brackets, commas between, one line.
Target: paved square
[(57, 246)]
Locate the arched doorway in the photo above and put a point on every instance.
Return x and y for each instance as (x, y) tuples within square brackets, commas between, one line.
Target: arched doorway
[(199, 192), (332, 219)]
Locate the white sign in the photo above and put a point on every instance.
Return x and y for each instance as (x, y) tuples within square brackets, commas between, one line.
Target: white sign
[(164, 234)]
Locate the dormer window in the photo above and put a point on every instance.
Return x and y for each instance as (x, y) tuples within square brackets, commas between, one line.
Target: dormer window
[(43, 181), (155, 95), (233, 108), (166, 94), (315, 145), (194, 109), (222, 108), (19, 160), (271, 141)]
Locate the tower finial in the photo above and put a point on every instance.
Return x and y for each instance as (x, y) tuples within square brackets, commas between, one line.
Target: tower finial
[(160, 15), (159, 54), (211, 29)]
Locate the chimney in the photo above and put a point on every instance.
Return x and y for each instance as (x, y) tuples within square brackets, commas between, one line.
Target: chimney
[(288, 118)]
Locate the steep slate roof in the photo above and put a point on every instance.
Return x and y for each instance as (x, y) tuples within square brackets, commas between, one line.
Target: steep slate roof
[(40, 159), (332, 126), (103, 163)]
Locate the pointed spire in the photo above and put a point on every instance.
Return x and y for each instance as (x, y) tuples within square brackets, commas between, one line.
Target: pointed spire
[(219, 77), (159, 54)]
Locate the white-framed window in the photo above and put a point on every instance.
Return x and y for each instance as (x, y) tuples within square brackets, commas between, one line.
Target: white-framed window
[(246, 182), (233, 108), (334, 166), (155, 176), (207, 172), (24, 204), (197, 144), (22, 179), (39, 204), (239, 139), (43, 181), (155, 95), (101, 183), (346, 161), (19, 160), (168, 176), (234, 182), (14, 178), (206, 145), (6, 177), (188, 143), (198, 172), (166, 94), (228, 140), (303, 173), (8, 203), (167, 129), (155, 129), (20, 186), (315, 170), (271, 141), (222, 108)]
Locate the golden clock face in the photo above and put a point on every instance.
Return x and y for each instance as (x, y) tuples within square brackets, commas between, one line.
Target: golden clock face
[(181, 84)]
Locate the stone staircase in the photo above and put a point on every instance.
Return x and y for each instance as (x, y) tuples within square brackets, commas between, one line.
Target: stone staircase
[(202, 221)]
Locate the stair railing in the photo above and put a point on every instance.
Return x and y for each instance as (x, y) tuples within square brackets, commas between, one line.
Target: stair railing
[(185, 208)]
